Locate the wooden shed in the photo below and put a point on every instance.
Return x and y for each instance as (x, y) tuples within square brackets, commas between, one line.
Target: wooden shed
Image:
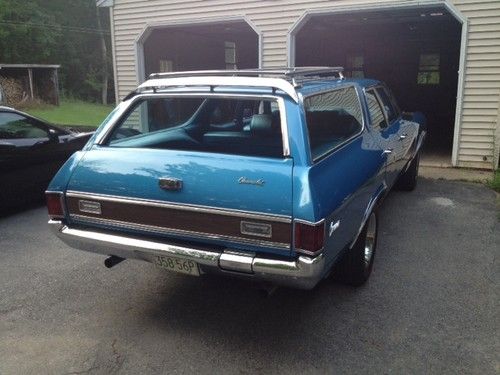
[(23, 82)]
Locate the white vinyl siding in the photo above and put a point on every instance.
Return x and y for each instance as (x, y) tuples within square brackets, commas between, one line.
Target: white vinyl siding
[(274, 19), (480, 108)]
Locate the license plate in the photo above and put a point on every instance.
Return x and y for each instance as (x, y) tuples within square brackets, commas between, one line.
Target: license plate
[(177, 265)]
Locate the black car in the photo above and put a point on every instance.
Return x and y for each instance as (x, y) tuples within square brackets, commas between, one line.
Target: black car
[(31, 152)]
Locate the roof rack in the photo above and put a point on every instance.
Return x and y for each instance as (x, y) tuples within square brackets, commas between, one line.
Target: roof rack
[(290, 73), (285, 79)]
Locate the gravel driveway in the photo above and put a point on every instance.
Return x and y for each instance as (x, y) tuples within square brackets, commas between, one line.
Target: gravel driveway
[(431, 305)]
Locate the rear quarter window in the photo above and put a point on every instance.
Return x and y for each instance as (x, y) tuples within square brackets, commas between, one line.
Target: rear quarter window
[(390, 109), (376, 115), (332, 118)]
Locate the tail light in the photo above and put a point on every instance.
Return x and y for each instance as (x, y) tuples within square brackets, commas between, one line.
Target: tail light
[(55, 204), (309, 237)]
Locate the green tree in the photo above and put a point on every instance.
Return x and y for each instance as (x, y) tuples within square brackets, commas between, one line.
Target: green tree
[(21, 36), (66, 32)]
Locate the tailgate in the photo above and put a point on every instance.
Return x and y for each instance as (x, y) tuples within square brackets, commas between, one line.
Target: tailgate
[(232, 201)]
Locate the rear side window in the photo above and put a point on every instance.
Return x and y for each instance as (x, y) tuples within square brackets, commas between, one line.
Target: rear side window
[(376, 115), (389, 107), (332, 118), (238, 126)]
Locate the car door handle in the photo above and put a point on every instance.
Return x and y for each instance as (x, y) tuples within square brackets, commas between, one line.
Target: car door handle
[(402, 136)]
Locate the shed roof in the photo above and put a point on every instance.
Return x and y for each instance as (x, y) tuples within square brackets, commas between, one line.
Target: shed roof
[(30, 66)]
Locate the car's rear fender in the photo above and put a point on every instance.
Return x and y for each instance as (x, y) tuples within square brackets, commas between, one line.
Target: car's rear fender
[(61, 179), (338, 189), (374, 202)]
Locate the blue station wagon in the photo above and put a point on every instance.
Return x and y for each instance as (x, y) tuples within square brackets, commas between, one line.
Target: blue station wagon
[(269, 175)]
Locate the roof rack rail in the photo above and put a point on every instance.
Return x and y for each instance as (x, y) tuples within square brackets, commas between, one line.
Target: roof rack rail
[(285, 79), (291, 73)]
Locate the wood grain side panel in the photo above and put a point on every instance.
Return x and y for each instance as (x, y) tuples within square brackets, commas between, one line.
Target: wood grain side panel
[(178, 219)]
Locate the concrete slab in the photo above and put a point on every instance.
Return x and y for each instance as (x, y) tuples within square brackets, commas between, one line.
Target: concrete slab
[(455, 174)]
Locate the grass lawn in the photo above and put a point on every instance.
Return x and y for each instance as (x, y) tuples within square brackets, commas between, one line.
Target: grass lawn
[(73, 113)]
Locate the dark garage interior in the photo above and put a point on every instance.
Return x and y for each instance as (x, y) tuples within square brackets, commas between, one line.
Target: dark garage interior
[(415, 51), (194, 47)]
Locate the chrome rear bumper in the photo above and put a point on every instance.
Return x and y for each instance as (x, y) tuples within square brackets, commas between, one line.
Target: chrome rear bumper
[(303, 272)]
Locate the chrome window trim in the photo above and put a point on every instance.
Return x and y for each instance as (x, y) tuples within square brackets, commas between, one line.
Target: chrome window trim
[(101, 140), (348, 140), (284, 127), (182, 206), (178, 232)]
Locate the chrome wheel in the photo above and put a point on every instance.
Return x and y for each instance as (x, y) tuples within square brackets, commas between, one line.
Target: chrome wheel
[(371, 237)]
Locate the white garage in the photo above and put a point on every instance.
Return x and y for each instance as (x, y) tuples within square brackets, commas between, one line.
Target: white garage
[(440, 56)]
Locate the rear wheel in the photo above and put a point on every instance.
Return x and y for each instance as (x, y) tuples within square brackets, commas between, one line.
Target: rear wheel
[(408, 180), (356, 264)]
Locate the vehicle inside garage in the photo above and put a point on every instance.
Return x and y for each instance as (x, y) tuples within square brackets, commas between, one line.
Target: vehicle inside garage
[(226, 45), (415, 51)]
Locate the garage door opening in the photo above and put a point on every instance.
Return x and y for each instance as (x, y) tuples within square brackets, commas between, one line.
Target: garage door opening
[(415, 51), (228, 45)]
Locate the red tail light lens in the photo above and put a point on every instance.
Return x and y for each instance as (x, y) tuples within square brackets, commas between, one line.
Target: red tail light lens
[(309, 237), (55, 204)]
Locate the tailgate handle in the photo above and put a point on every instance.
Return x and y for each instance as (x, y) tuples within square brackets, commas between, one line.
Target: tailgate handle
[(169, 183)]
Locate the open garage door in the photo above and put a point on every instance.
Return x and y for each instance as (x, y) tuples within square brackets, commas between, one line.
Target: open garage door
[(415, 51), (222, 45)]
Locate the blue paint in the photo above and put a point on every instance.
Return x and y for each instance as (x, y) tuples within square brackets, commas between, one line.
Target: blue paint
[(337, 188)]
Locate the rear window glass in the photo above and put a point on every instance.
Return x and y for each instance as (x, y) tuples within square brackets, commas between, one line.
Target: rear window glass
[(332, 118), (239, 126)]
